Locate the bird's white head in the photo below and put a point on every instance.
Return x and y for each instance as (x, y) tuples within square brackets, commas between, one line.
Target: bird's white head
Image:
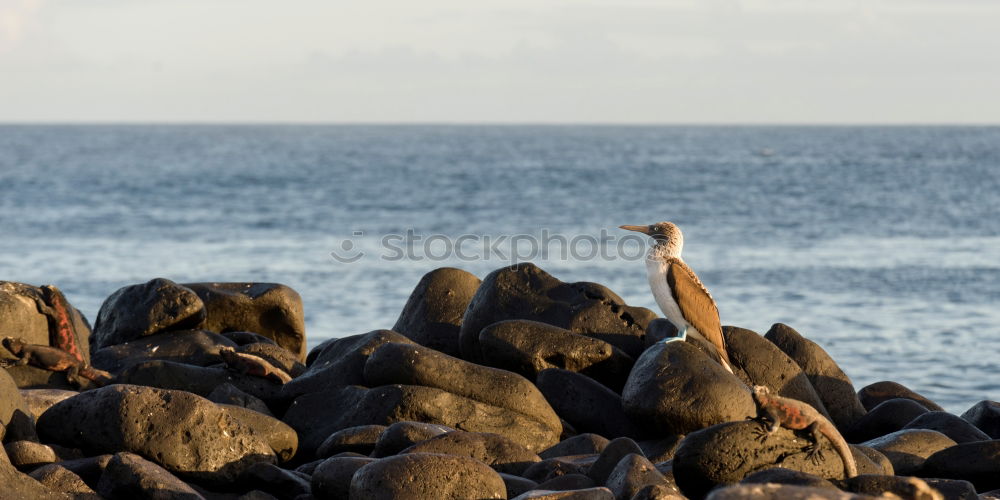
[(669, 240)]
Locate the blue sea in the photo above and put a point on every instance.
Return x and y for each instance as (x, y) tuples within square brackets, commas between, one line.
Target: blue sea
[(882, 244)]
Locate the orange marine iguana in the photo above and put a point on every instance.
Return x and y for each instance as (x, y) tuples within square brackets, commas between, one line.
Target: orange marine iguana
[(53, 359), (776, 411), (248, 364)]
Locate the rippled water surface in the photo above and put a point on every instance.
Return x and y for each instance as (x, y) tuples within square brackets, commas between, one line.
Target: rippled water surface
[(881, 244)]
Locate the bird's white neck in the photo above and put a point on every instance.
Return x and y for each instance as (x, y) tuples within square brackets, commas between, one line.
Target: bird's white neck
[(666, 249)]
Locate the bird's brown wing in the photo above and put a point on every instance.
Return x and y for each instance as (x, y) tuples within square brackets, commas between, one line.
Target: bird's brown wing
[(696, 303)]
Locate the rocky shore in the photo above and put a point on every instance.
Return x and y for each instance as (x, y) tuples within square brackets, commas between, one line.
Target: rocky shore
[(517, 386)]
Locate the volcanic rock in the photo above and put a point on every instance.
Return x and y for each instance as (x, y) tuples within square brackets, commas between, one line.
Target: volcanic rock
[(976, 462), (432, 316), (831, 383), (269, 309), (675, 389), (499, 452), (425, 475), (359, 439), (985, 415), (332, 478), (136, 311), (524, 291), (908, 449), (402, 435), (957, 428), (875, 394), (889, 416), (193, 347), (130, 476), (586, 404)]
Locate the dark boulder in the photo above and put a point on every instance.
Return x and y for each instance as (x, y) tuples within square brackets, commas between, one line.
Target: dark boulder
[(889, 416), (955, 489), (596, 493), (675, 389), (632, 473), (282, 439), (193, 347), (774, 491), (396, 363), (985, 415), (831, 383), (401, 435), (128, 475), (613, 453), (976, 462), (269, 309), (524, 291), (423, 475), (517, 484), (276, 355), (788, 476), (244, 338), (280, 483), (359, 439), (229, 394), (528, 347), (560, 466), (499, 452), (763, 363), (881, 486), (186, 434), (59, 478), (200, 380), (586, 404), (875, 394), (581, 444), (432, 316), (727, 453), (955, 427), (908, 449), (567, 482), (331, 480), (339, 363), (26, 455), (136, 311), (12, 405)]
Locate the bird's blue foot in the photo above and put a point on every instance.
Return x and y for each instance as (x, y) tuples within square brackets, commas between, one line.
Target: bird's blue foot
[(682, 336)]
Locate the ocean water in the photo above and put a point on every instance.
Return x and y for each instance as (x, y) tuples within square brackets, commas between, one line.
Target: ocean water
[(882, 244)]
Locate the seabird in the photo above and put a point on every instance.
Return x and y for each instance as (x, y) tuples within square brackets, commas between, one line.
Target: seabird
[(678, 291)]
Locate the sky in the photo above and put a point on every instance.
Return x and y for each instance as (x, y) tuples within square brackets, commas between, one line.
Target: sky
[(501, 61)]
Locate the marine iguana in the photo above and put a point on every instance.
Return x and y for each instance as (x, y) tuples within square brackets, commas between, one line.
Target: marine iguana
[(249, 364), (776, 411), (53, 359), (62, 332)]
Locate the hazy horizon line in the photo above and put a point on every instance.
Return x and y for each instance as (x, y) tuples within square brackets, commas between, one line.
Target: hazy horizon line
[(4, 123)]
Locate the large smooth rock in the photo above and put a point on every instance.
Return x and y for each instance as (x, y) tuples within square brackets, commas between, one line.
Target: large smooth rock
[(875, 394), (276, 355), (889, 416), (193, 347), (280, 483), (788, 476), (59, 478), (401, 435), (15, 484), (200, 380), (581, 444), (135, 311), (977, 462), (282, 439), (889, 485), (832, 385), (726, 453), (339, 363), (586, 404), (432, 316), (360, 439), (11, 402), (26, 455), (908, 449), (561, 466), (525, 291), (773, 491), (499, 452), (128, 475), (950, 425), (410, 364), (315, 416), (675, 389), (229, 394), (332, 478), (614, 452), (186, 434), (528, 347), (985, 415), (269, 309), (763, 363), (419, 476), (633, 473)]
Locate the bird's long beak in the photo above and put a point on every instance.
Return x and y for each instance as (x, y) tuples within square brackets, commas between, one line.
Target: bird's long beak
[(641, 229)]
